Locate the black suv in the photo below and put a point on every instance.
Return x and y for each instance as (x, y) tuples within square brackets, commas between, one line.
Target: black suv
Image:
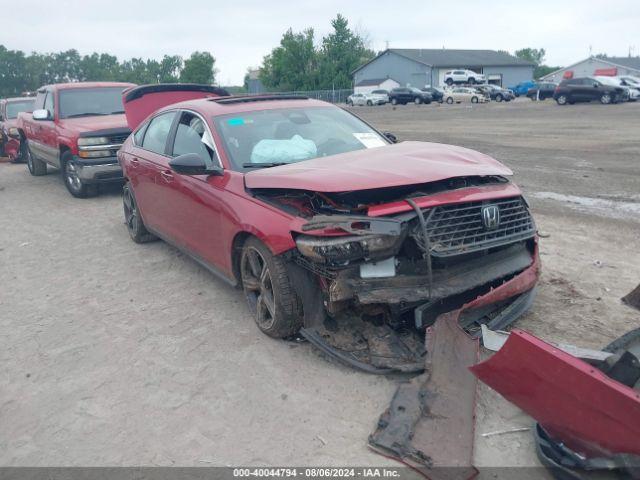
[(546, 90), (436, 95), (586, 89), (406, 95)]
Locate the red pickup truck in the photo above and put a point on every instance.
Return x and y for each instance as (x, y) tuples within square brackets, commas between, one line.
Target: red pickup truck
[(77, 128), (9, 137)]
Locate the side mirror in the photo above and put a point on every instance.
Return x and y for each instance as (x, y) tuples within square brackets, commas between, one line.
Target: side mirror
[(41, 114), (193, 164), (391, 137)]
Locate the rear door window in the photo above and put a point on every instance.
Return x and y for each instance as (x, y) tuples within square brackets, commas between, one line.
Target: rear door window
[(155, 137)]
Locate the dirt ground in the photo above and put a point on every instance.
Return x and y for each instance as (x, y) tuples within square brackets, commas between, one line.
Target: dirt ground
[(115, 354)]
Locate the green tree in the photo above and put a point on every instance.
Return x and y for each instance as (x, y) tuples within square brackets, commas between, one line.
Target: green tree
[(293, 64), (170, 68), (342, 51), (199, 68), (535, 55)]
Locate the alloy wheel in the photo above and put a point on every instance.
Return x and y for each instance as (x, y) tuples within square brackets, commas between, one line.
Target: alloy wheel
[(130, 211), (29, 161), (71, 177), (605, 99), (258, 287)]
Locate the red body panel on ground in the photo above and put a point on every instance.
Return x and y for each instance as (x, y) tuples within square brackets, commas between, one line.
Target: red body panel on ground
[(573, 400)]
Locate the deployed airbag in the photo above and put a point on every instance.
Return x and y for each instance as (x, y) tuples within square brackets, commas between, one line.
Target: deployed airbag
[(292, 150)]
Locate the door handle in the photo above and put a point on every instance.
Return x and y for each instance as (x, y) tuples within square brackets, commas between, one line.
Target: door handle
[(167, 176)]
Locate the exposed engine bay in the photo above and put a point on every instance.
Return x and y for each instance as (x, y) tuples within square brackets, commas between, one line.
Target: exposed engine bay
[(362, 278)]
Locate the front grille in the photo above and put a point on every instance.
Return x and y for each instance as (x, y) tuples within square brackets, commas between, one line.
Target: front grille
[(118, 139), (457, 229)]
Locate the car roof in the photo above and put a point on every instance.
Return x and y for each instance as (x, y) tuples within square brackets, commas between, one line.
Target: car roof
[(76, 85), (230, 105)]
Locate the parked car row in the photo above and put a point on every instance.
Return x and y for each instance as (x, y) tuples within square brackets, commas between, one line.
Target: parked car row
[(606, 90), (217, 176)]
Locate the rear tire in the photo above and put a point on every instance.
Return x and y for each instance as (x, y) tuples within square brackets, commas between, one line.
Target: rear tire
[(605, 99), (562, 100), (472, 81), (394, 101), (417, 101), (474, 99), (72, 181), (449, 100), (350, 103), (369, 103), (268, 290), (36, 167), (132, 218), (449, 81), (499, 98)]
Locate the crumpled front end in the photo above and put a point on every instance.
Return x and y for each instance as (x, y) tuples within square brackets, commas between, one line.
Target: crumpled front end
[(401, 262)]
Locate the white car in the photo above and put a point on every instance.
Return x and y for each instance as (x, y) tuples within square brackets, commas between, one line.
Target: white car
[(369, 99), (631, 93), (463, 76), (633, 83), (463, 94)]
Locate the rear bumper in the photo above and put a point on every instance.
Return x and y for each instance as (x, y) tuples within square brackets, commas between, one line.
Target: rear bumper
[(99, 170)]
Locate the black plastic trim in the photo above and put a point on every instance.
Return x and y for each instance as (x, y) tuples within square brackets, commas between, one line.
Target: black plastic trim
[(106, 132)]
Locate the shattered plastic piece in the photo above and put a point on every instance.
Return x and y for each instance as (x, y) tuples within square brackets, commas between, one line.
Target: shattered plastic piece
[(576, 402), (430, 422), (633, 298)]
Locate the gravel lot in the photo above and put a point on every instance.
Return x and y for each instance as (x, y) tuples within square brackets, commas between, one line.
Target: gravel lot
[(114, 354)]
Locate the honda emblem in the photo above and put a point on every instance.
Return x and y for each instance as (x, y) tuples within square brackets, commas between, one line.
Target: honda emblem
[(490, 217)]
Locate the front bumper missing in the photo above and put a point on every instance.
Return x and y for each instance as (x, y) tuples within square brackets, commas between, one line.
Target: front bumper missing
[(102, 170)]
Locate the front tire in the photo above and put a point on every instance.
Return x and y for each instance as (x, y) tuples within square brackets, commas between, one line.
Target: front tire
[(269, 292), (449, 100), (36, 167), (132, 218), (605, 99), (72, 180), (499, 98), (472, 81), (474, 99), (369, 103), (417, 101), (449, 81), (394, 101)]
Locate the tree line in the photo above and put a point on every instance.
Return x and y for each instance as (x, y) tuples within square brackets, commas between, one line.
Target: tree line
[(21, 72), (299, 64)]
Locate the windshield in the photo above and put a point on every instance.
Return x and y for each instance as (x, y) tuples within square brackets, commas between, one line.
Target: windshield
[(268, 138), (86, 102), (14, 108)]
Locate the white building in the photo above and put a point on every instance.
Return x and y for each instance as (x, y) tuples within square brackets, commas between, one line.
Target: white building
[(611, 66), (368, 86)]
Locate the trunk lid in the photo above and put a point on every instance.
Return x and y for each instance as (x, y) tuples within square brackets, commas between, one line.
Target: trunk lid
[(140, 102)]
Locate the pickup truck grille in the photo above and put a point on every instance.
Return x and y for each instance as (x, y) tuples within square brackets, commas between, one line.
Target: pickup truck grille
[(118, 139), (460, 228)]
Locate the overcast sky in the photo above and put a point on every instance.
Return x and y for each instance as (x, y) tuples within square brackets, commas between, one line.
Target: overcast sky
[(240, 33)]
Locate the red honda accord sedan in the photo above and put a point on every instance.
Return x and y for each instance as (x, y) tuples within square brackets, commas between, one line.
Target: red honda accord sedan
[(318, 216)]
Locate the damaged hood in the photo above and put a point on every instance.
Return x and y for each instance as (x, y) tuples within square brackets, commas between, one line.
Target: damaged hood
[(406, 163)]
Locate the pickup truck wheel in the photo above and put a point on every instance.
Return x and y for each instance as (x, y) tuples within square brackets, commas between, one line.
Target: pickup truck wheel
[(135, 226), (268, 290), (72, 180), (36, 167)]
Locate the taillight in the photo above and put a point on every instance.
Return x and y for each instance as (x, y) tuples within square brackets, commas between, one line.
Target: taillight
[(557, 89)]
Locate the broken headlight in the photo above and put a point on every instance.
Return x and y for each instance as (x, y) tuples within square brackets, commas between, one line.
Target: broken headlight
[(342, 250)]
